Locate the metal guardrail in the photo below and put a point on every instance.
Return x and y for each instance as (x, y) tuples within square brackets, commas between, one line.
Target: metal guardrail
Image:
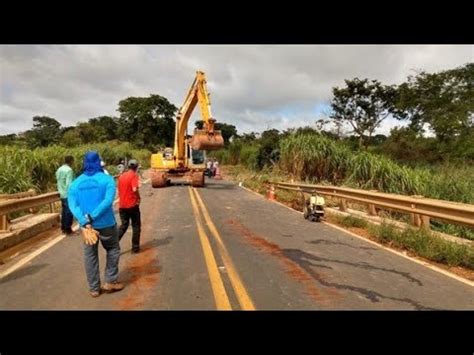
[(18, 195), (421, 209), (26, 200), (10, 206)]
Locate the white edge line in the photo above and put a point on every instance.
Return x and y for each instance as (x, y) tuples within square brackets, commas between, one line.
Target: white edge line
[(427, 265), (34, 254)]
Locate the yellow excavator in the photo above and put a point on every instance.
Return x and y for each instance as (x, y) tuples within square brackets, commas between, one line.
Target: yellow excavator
[(188, 159)]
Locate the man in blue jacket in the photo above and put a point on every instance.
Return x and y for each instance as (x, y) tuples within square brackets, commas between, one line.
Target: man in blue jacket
[(90, 199)]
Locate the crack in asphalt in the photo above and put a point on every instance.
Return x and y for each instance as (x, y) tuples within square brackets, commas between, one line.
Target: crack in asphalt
[(330, 242), (303, 259)]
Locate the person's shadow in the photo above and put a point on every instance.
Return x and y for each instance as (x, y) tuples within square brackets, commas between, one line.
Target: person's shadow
[(151, 244)]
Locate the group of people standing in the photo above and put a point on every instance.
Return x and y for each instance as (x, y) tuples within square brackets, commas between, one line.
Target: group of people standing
[(211, 167), (89, 199)]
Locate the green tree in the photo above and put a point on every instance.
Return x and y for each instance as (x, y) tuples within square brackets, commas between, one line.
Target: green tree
[(464, 147), (71, 138), (67, 128), (228, 131), (364, 105), (90, 134), (444, 101), (378, 139), (46, 131), (147, 121), (268, 151), (8, 139), (106, 127), (247, 137), (407, 145)]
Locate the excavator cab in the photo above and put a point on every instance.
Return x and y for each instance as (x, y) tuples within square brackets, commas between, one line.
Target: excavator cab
[(168, 154), (197, 158)]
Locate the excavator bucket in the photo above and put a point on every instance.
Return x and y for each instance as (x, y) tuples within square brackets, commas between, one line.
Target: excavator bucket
[(204, 140)]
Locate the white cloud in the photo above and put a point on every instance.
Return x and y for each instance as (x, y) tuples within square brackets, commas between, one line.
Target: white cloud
[(253, 87)]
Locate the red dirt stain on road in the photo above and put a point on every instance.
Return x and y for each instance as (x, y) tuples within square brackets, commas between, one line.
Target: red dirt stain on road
[(141, 273), (291, 268)]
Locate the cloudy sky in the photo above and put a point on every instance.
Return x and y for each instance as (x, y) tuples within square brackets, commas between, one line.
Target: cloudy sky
[(253, 87)]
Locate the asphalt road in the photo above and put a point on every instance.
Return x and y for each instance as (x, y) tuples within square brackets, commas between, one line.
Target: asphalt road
[(222, 247)]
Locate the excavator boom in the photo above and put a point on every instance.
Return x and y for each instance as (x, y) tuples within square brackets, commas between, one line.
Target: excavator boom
[(187, 157), (205, 139)]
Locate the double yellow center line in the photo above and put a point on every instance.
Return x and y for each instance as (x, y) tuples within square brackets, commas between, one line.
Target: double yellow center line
[(220, 295)]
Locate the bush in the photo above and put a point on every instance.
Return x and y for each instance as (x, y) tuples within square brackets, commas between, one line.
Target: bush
[(234, 153), (248, 156), (316, 158)]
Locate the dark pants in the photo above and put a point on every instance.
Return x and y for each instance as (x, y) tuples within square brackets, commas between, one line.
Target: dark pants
[(127, 214), (66, 216), (109, 239)]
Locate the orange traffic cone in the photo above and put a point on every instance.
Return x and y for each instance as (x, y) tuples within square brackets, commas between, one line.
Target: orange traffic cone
[(271, 193), (218, 174)]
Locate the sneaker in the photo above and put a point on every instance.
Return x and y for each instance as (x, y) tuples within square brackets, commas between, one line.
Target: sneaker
[(112, 287), (95, 293)]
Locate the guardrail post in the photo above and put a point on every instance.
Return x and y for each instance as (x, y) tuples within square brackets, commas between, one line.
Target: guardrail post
[(3, 223), (425, 222), (372, 210), (371, 207), (343, 205), (415, 219)]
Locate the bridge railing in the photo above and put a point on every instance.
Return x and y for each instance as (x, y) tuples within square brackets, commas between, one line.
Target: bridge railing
[(24, 201), (421, 209), (23, 204), (18, 195)]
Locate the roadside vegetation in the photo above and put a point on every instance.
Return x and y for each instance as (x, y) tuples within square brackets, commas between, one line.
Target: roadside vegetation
[(24, 169)]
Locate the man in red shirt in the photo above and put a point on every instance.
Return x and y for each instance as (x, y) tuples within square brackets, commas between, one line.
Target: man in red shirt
[(129, 201)]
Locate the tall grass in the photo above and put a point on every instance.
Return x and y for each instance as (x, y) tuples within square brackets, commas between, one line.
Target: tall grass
[(316, 158), (22, 169)]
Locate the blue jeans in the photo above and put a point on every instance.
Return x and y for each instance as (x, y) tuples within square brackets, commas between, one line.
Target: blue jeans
[(110, 242), (66, 216)]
